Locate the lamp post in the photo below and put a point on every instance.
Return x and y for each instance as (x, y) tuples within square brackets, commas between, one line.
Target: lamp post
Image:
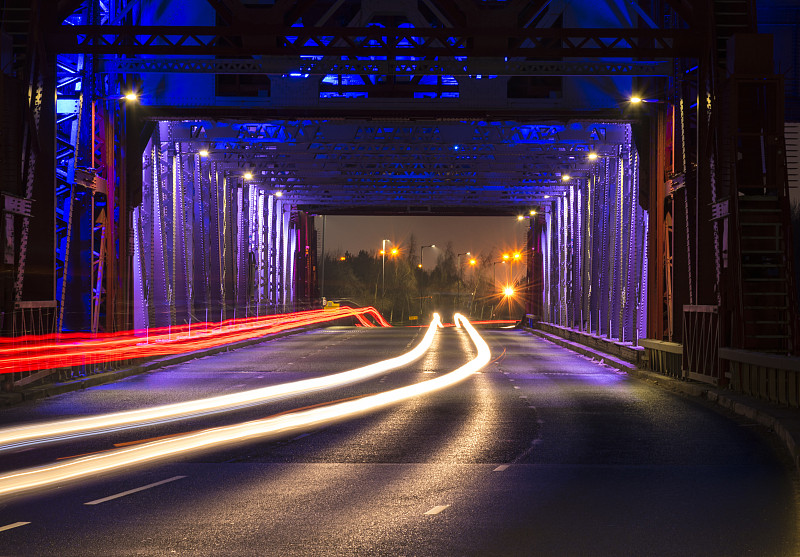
[(458, 278), (421, 248), (421, 252), (383, 267)]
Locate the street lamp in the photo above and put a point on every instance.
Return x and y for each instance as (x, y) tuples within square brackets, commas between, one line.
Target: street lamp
[(458, 281), (421, 251), (383, 266)]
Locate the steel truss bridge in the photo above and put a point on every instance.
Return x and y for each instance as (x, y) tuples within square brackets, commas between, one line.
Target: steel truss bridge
[(663, 223)]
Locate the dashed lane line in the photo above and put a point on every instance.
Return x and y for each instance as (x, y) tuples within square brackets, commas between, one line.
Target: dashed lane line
[(13, 525), (501, 468), (135, 490), (437, 509)]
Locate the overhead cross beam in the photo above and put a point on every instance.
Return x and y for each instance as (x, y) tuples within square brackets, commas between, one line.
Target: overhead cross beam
[(286, 65), (271, 40)]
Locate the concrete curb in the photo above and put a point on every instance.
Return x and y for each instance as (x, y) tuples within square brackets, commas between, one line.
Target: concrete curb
[(52, 389), (783, 422)]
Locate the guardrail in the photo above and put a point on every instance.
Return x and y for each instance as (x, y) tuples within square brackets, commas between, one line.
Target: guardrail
[(663, 357), (701, 344), (765, 376)]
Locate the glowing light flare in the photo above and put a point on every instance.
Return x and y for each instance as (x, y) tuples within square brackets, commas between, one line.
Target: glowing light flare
[(508, 291), (131, 96), (34, 353), (394, 251), (635, 99), (30, 434), (203, 152), (275, 426), (592, 156)]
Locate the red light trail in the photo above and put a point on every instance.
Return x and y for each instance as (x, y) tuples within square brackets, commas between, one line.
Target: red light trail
[(30, 353)]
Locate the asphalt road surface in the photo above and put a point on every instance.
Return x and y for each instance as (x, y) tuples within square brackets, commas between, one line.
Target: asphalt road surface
[(543, 453)]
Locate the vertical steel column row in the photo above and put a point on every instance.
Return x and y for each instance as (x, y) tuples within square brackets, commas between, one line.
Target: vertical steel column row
[(199, 266), (143, 244), (595, 251), (243, 246), (208, 246), (182, 279), (586, 231), (284, 224), (212, 179)]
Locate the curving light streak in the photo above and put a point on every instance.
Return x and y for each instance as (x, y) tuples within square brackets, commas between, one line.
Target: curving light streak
[(92, 465), (48, 351), (32, 434)]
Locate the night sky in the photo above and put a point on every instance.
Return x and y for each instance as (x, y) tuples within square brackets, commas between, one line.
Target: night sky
[(474, 234)]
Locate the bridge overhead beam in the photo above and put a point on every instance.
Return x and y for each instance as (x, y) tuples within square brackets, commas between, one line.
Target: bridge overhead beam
[(267, 39), (281, 66)]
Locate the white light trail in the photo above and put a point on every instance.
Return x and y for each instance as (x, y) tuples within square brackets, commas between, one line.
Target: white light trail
[(31, 434), (92, 465)]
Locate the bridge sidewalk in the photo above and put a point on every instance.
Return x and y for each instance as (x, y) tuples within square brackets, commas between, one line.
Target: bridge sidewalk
[(784, 422)]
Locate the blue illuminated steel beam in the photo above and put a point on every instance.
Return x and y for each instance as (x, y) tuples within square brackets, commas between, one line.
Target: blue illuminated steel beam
[(303, 67)]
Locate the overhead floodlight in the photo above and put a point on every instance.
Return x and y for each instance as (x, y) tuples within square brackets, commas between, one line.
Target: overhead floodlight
[(533, 212), (520, 217), (592, 156), (635, 100), (203, 152), (248, 175), (279, 193), (565, 177)]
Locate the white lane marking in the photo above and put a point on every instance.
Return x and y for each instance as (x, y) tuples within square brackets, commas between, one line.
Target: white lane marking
[(260, 377), (14, 525), (523, 396), (428, 372), (130, 491), (237, 386), (501, 468), (437, 509), (532, 407), (300, 436), (516, 387), (510, 379)]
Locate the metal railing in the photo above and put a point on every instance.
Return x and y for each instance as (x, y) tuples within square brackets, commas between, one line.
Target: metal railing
[(701, 337)]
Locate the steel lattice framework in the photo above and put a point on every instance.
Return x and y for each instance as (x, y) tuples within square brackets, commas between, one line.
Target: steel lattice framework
[(436, 106)]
